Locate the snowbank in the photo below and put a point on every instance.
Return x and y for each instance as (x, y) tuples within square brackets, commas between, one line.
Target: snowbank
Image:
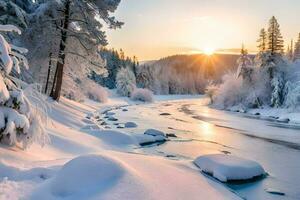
[(227, 168)]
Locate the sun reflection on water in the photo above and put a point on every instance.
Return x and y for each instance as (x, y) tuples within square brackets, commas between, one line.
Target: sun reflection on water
[(206, 130)]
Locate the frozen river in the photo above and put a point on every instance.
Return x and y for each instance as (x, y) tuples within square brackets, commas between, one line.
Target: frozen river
[(202, 130)]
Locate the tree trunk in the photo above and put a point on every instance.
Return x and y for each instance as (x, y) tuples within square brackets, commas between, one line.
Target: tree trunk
[(61, 57), (49, 71), (53, 84)]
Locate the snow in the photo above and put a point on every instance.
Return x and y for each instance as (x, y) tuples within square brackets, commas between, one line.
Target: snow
[(114, 138), (84, 162), (9, 28), (125, 82), (280, 114), (143, 95), (85, 174), (154, 132), (149, 139), (130, 125), (4, 55), (228, 168)]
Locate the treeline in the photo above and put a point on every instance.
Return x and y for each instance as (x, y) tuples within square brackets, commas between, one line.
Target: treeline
[(114, 61), (272, 78), (184, 74)]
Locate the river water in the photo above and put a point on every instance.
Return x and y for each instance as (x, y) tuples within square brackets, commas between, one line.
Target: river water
[(202, 130)]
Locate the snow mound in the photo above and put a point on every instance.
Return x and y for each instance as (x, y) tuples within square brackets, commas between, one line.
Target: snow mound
[(85, 174), (130, 125), (154, 132), (227, 168)]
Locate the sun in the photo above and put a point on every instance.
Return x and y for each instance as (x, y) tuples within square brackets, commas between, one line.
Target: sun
[(208, 51)]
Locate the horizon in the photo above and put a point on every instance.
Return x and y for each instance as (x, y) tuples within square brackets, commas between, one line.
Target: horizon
[(193, 27)]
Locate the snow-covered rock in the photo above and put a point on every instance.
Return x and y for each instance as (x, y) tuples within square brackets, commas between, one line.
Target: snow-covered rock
[(130, 125), (149, 139), (155, 132), (110, 113), (113, 119), (226, 167)]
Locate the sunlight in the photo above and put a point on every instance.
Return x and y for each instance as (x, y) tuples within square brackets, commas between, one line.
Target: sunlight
[(206, 130), (209, 51)]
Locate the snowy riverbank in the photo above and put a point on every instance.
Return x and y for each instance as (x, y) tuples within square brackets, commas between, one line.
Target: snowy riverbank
[(38, 172)]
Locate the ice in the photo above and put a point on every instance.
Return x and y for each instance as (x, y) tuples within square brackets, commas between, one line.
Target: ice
[(228, 168)]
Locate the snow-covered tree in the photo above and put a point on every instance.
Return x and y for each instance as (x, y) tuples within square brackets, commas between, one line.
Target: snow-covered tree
[(73, 29), (19, 121), (290, 51), (144, 95), (125, 82), (278, 85), (245, 68), (275, 40), (262, 41), (114, 61), (12, 12), (297, 49)]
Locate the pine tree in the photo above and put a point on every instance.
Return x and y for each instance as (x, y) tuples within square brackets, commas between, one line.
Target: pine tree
[(262, 41), (290, 51), (19, 121), (245, 69), (275, 40), (12, 12), (297, 49), (74, 34)]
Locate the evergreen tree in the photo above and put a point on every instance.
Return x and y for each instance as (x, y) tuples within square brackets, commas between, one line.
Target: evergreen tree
[(262, 41), (20, 121), (12, 12), (297, 49), (74, 30), (290, 51), (245, 69), (275, 40)]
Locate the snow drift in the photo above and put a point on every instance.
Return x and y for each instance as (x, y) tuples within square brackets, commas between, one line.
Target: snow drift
[(85, 174)]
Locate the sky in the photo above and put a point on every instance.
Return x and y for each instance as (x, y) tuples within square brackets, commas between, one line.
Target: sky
[(158, 28)]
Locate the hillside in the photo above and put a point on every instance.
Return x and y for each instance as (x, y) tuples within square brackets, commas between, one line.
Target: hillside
[(185, 74)]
